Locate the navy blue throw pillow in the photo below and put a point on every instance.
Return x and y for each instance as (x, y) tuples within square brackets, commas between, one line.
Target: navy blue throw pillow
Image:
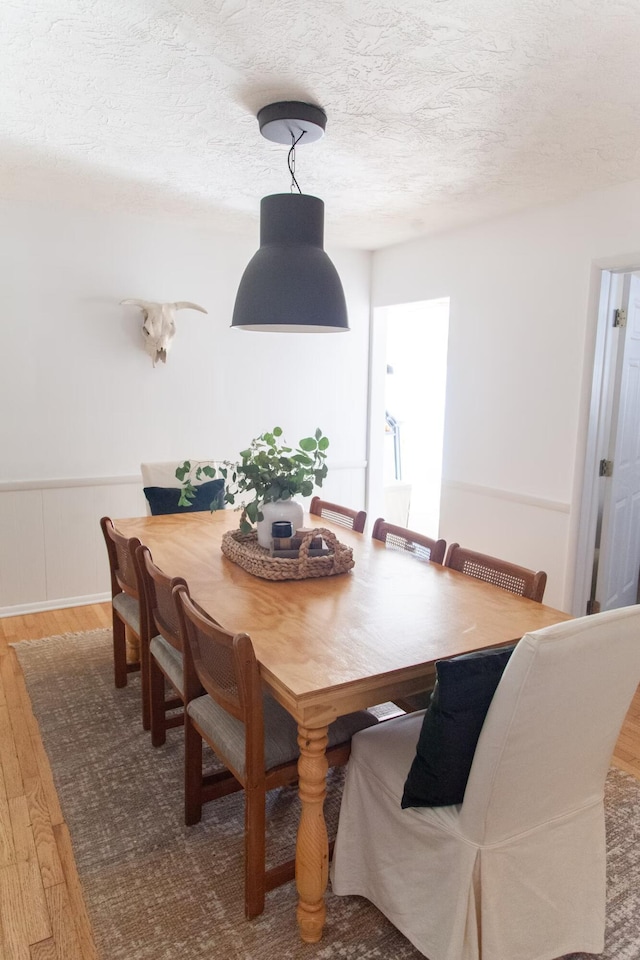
[(462, 695), (165, 499)]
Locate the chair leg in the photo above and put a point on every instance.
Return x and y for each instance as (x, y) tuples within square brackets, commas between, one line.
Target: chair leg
[(254, 850), (192, 773), (145, 683), (156, 695), (119, 651)]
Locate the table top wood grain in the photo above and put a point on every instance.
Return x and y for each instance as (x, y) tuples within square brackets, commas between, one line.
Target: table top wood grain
[(333, 644)]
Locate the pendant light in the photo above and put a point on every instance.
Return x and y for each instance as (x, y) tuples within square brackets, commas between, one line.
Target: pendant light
[(290, 285)]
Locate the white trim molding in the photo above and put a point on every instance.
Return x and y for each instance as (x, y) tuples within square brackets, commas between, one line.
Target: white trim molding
[(541, 502), (63, 483), (52, 552), (23, 608)]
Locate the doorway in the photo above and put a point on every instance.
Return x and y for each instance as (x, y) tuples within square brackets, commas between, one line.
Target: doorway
[(608, 562), (408, 377)]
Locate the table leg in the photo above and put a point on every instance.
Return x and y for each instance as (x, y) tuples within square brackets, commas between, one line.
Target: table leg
[(312, 848), (132, 644)]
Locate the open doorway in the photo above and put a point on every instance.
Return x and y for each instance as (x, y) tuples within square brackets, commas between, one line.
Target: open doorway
[(409, 368)]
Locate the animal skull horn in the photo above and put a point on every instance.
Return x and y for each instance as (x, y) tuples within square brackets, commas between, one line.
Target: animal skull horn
[(159, 325)]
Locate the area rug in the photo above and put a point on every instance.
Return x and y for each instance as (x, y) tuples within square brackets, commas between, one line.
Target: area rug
[(157, 890)]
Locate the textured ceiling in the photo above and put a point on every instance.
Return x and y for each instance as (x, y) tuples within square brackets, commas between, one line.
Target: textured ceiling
[(440, 112)]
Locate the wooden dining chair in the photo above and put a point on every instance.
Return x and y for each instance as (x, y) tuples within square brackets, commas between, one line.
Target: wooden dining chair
[(161, 648), (417, 544), (422, 548), (354, 519), (125, 601), (250, 733), (501, 573)]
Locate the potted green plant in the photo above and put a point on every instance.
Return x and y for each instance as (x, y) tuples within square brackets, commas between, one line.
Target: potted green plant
[(268, 472)]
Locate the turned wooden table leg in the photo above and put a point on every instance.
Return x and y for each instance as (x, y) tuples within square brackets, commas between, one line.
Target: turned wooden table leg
[(133, 645), (312, 849)]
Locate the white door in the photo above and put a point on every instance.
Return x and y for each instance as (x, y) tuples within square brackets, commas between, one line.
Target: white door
[(619, 562)]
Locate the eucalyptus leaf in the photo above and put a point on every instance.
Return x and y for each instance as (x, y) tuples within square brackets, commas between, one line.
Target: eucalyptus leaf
[(268, 470)]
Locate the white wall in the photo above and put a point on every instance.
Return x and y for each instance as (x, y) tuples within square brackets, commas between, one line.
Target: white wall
[(83, 406), (523, 293)]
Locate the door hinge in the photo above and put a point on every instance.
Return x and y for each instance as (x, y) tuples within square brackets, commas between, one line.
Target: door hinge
[(620, 318), (606, 468), (593, 606)]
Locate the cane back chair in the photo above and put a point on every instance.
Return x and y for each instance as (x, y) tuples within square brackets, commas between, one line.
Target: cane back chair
[(400, 538), (422, 548), (501, 573), (508, 576), (354, 519), (125, 601), (161, 647), (250, 733)]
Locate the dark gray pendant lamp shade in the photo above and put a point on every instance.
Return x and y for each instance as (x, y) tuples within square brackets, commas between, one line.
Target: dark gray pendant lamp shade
[(290, 285)]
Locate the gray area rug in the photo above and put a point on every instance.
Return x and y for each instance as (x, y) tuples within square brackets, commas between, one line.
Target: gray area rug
[(157, 890)]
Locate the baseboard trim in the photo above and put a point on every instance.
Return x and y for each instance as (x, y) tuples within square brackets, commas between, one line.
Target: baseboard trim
[(41, 606)]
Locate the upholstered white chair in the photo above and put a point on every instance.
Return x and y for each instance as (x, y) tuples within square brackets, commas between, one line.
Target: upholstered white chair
[(517, 871)]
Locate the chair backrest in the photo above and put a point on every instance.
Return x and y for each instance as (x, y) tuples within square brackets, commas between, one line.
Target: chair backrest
[(225, 665), (121, 551), (501, 573), (550, 731), (157, 591), (163, 473), (354, 519), (399, 538)]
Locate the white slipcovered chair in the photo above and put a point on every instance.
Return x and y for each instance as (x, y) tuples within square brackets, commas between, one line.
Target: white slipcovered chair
[(517, 871), (163, 474)]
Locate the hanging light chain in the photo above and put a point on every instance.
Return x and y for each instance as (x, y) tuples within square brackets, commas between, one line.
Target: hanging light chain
[(291, 161)]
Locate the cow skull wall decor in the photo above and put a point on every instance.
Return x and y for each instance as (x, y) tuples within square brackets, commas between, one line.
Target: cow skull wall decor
[(159, 324)]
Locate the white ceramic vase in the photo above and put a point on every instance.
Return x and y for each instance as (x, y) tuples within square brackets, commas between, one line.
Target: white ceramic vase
[(278, 510)]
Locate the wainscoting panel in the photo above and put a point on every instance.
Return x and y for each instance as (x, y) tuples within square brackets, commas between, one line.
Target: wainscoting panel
[(52, 553), (72, 531), (345, 484), (526, 530), (22, 558)]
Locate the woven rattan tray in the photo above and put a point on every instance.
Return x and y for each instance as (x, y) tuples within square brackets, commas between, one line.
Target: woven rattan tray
[(243, 549)]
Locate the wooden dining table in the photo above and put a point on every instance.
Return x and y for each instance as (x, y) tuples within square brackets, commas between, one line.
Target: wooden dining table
[(327, 646)]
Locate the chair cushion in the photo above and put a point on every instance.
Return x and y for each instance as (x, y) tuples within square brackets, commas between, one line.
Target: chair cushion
[(170, 662), (129, 610), (451, 726), (226, 734), (165, 499)]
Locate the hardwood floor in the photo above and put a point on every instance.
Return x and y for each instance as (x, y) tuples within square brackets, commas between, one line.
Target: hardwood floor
[(42, 913)]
